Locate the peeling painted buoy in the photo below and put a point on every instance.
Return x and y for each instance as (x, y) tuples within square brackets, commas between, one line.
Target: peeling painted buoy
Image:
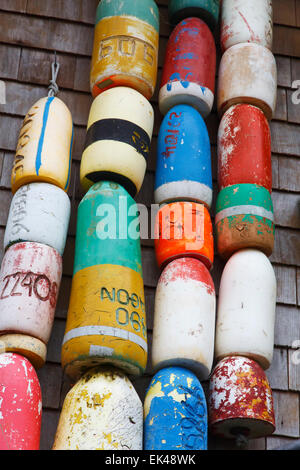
[(244, 219), (246, 308), (240, 400), (117, 145), (20, 404), (32, 348), (183, 229), (44, 151), (207, 10), (183, 169), (248, 74), (244, 148), (185, 310), (243, 21), (125, 46), (106, 320), (189, 68), (101, 412), (29, 284), (175, 412), (39, 212)]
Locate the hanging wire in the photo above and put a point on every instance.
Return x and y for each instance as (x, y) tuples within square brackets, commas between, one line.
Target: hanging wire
[(53, 87)]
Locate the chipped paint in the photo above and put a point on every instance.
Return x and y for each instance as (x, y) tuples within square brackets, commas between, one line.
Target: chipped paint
[(243, 22), (20, 404), (240, 398), (244, 148), (189, 68), (248, 74), (102, 411), (176, 417)]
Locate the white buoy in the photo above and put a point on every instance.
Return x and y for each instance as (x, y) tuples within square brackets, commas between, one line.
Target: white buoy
[(184, 318), (246, 308), (101, 412), (39, 212)]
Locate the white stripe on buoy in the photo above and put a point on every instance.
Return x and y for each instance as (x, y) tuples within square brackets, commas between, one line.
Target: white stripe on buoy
[(192, 191), (201, 98), (105, 331), (244, 209)]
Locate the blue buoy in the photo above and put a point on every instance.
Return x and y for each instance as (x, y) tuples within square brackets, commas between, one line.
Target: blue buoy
[(183, 158), (175, 412)]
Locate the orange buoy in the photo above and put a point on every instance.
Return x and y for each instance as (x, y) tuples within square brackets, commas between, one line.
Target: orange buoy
[(184, 229)]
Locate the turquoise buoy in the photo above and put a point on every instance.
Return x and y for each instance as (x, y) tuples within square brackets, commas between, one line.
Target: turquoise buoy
[(207, 10)]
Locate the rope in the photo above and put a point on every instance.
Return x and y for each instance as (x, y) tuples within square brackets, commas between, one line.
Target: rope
[(241, 441), (53, 87)]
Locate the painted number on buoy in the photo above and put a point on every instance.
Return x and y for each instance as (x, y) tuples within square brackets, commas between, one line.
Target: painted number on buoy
[(123, 316), (38, 285), (127, 46)]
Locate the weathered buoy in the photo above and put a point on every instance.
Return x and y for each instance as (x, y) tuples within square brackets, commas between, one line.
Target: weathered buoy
[(248, 74), (246, 308), (117, 145), (175, 412), (243, 21), (207, 10), (29, 284), (189, 68), (125, 46), (244, 148), (183, 229), (185, 310), (101, 412), (39, 212), (183, 168), (244, 219), (44, 151), (32, 348), (20, 404), (240, 400), (108, 284)]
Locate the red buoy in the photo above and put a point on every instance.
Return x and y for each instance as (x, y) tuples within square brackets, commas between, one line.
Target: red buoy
[(189, 68), (244, 148), (20, 404)]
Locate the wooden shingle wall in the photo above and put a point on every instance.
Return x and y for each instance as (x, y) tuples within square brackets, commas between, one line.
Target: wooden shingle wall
[(30, 31)]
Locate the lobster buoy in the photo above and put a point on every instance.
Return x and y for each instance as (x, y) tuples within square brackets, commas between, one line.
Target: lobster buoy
[(29, 285), (246, 22), (32, 348), (244, 148), (175, 412), (108, 284), (125, 46), (39, 212), (246, 308), (44, 151), (248, 74), (189, 68), (117, 145), (101, 412), (20, 404), (185, 310), (207, 10), (183, 170), (244, 219), (183, 229), (240, 400)]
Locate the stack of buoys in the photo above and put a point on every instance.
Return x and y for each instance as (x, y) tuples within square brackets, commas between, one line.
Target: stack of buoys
[(31, 269), (175, 409), (106, 333), (240, 397)]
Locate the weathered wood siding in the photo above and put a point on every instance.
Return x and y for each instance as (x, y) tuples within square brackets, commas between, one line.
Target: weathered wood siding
[(30, 32)]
